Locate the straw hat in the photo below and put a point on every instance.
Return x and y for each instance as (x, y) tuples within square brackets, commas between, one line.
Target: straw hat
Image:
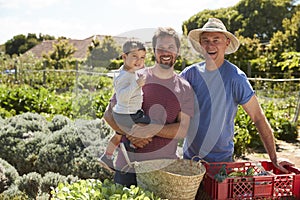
[(213, 25)]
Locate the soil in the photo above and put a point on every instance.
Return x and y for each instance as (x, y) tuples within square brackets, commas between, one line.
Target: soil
[(285, 150)]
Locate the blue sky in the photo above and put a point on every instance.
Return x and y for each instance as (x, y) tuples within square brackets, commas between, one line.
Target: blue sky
[(79, 19)]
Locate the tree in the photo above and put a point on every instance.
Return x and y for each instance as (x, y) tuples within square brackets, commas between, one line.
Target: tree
[(187, 55), (21, 43), (263, 35), (102, 54), (12, 46), (198, 20), (249, 18), (292, 31), (258, 18), (61, 55), (249, 49), (291, 60), (45, 37), (284, 46)]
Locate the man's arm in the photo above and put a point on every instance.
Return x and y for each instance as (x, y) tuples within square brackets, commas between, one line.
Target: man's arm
[(175, 130), (265, 131), (108, 117)]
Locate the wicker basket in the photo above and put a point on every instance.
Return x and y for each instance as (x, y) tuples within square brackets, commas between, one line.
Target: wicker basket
[(170, 178)]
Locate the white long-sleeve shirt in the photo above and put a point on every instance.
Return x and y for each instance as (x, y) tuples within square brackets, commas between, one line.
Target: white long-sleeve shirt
[(128, 93)]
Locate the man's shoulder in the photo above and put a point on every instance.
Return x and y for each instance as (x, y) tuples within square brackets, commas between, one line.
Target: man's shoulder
[(183, 82), (233, 70), (180, 78), (196, 66)]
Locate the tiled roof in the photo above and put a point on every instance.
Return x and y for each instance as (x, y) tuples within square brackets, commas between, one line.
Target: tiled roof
[(81, 46)]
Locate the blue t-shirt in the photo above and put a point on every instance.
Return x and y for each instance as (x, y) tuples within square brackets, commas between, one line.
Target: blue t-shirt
[(218, 94)]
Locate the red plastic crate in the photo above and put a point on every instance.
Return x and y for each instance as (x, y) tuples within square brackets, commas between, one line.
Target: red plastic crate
[(272, 186)]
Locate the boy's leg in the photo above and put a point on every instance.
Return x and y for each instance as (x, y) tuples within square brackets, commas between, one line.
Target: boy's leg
[(140, 117), (106, 159), (113, 144), (107, 163)]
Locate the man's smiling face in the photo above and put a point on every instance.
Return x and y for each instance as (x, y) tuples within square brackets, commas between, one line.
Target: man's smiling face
[(214, 44), (166, 52)]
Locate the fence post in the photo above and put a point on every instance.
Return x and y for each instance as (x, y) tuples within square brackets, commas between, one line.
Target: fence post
[(249, 70), (297, 110), (76, 88), (44, 72), (16, 72)]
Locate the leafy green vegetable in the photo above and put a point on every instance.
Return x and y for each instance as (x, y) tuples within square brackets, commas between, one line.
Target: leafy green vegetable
[(95, 189)]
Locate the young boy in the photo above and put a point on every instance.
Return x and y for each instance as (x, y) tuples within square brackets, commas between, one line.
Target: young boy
[(128, 89)]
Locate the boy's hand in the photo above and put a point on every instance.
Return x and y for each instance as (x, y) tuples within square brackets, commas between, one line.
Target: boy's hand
[(141, 80)]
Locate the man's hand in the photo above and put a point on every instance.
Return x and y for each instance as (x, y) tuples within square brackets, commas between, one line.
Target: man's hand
[(141, 134), (281, 163), (139, 142), (145, 130)]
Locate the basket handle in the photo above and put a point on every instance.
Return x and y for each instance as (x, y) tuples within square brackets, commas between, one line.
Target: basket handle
[(201, 159), (129, 165), (124, 151)]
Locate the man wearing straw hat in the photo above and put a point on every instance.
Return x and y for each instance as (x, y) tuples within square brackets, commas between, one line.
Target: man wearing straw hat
[(168, 100), (220, 87)]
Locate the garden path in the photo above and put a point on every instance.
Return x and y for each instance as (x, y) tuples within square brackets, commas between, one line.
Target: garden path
[(285, 150)]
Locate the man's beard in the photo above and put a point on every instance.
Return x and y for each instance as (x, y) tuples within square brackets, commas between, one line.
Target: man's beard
[(166, 64)]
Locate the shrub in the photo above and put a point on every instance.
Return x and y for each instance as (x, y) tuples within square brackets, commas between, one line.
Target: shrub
[(246, 135), (13, 193), (93, 132), (59, 150), (3, 180), (101, 101), (32, 144), (6, 114), (9, 173), (51, 180), (20, 99), (58, 122), (283, 128), (30, 184), (243, 132), (20, 139)]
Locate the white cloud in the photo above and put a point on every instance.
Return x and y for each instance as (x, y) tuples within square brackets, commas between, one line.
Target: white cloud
[(50, 26), (9, 4), (80, 19), (185, 7), (28, 4)]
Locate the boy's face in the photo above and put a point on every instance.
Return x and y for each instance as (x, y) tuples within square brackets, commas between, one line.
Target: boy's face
[(134, 60)]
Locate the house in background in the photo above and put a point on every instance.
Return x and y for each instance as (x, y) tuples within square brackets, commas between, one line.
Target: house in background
[(81, 46)]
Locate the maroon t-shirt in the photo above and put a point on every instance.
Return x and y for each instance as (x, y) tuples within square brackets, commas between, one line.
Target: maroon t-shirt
[(163, 100)]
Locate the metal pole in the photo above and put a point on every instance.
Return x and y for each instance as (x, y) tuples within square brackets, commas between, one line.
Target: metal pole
[(16, 72), (44, 72)]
